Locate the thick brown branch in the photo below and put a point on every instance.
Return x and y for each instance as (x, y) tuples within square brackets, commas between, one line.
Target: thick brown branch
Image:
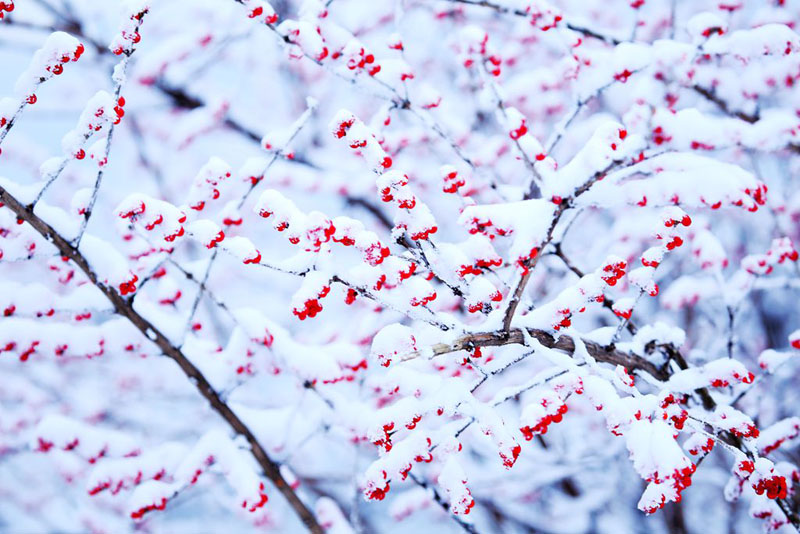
[(632, 362), (125, 309)]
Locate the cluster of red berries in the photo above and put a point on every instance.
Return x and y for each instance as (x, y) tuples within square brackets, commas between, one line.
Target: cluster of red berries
[(316, 235), (119, 109), (508, 460), (58, 68), (423, 234), (702, 448), (518, 132), (343, 126), (766, 449), (312, 306), (682, 479), (262, 500), (160, 505), (8, 6), (485, 306), (258, 11), (541, 427), (623, 76), (775, 487), (613, 271), (452, 180), (746, 430), (623, 133), (130, 38), (423, 300), (128, 286), (487, 228), (659, 137), (363, 60), (671, 222), (624, 313), (723, 383), (476, 268), (388, 429), (375, 253), (544, 21), (216, 239), (378, 494)]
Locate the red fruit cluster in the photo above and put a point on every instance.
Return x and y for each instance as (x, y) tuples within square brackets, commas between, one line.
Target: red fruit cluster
[(24, 355), (312, 306), (612, 272), (659, 137), (452, 181), (422, 301), (685, 220), (766, 449), (508, 463), (759, 195), (131, 37), (351, 296), (493, 66), (386, 441), (258, 11), (479, 264), (518, 132), (424, 234), (537, 15), (624, 314), (750, 431), (261, 502), (775, 487), (746, 467), (722, 383), (702, 448), (697, 145), (119, 109), (564, 319), (480, 306), (487, 228), (133, 212), (375, 253), (128, 286), (678, 419), (58, 68), (524, 261), (216, 239), (364, 60), (318, 235), (8, 6), (650, 263), (161, 505), (378, 494), (343, 126), (623, 76), (541, 427)]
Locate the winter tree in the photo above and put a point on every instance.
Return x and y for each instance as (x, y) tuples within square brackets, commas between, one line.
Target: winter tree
[(483, 266)]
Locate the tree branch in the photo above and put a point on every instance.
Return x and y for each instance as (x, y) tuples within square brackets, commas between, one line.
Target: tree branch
[(522, 13), (125, 309), (516, 336)]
